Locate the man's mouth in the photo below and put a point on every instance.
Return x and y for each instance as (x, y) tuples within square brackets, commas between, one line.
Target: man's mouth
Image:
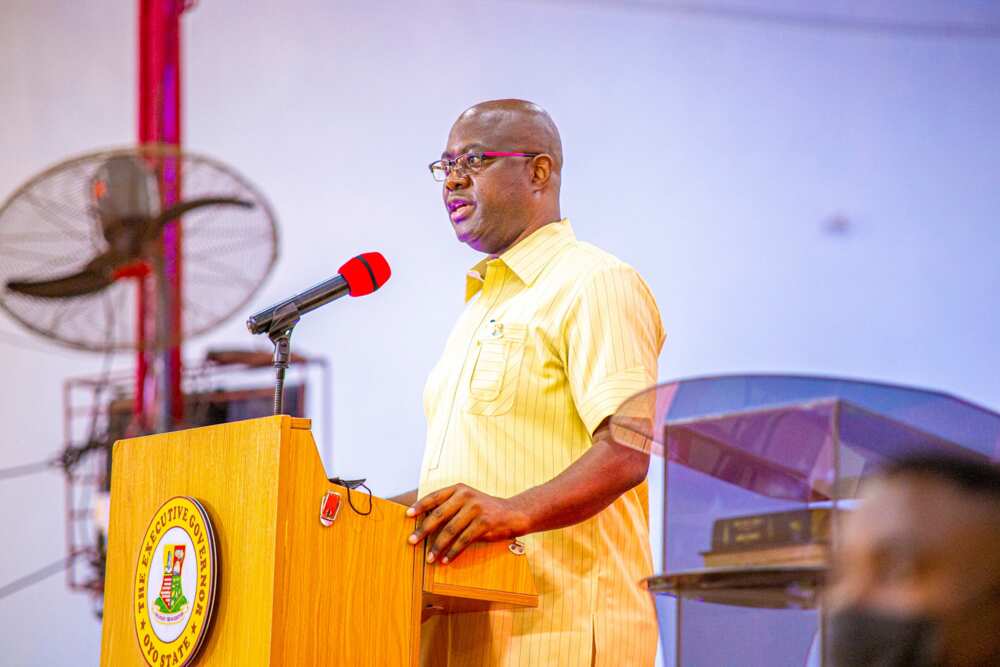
[(459, 209)]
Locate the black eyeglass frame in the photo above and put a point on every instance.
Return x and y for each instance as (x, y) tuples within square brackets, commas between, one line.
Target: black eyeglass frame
[(441, 169)]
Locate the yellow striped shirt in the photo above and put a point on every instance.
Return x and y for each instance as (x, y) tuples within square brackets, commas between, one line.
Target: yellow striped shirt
[(555, 335)]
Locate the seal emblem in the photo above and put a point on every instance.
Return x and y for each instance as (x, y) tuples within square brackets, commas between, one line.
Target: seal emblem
[(175, 583)]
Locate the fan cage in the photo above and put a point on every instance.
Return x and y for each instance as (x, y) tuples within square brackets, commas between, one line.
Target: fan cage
[(49, 228)]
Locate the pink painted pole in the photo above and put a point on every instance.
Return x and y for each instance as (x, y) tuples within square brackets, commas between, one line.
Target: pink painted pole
[(160, 122)]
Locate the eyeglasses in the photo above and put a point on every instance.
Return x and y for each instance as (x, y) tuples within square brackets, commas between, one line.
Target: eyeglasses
[(468, 163)]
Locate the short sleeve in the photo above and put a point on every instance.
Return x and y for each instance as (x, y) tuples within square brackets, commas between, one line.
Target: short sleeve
[(613, 336)]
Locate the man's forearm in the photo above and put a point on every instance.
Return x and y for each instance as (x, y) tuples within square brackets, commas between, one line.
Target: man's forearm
[(458, 515), (586, 487)]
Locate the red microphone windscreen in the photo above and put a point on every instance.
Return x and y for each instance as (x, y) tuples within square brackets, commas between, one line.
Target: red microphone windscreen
[(365, 273)]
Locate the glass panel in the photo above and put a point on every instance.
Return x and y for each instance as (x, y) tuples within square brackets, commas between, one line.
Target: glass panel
[(756, 469), (715, 634), (947, 417)]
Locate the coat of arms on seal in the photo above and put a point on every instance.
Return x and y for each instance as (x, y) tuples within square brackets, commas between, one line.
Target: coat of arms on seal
[(171, 603), (175, 583)]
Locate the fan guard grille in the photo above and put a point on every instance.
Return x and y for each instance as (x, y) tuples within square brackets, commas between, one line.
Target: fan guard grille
[(48, 229)]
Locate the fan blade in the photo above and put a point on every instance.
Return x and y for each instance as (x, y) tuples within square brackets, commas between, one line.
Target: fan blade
[(87, 281), (180, 208), (98, 274)]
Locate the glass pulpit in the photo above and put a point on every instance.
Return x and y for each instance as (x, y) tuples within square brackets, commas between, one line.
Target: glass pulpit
[(757, 472)]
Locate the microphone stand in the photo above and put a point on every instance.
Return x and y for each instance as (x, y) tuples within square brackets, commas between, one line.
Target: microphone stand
[(280, 333)]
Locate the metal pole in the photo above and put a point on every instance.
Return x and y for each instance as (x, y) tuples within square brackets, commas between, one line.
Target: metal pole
[(160, 122)]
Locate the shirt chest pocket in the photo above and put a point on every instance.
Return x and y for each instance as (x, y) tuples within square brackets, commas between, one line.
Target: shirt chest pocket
[(499, 354)]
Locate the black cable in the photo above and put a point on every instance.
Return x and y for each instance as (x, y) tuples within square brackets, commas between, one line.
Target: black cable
[(351, 502), (66, 460), (69, 457), (26, 469), (102, 385), (354, 484), (36, 576)]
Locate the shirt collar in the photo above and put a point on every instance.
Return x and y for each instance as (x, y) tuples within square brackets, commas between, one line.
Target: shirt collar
[(527, 258)]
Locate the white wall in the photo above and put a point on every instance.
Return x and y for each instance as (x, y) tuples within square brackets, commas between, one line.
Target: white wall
[(705, 151)]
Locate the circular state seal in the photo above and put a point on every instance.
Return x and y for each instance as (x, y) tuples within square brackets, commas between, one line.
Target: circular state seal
[(175, 578)]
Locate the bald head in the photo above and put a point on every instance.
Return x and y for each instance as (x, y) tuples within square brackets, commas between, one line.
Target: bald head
[(517, 125)]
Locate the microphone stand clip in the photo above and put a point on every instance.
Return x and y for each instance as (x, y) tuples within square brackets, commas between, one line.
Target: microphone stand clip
[(280, 332)]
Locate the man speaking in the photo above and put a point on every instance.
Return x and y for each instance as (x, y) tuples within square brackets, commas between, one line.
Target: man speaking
[(554, 336)]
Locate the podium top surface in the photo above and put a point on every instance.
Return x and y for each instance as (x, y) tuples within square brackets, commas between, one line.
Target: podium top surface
[(788, 424)]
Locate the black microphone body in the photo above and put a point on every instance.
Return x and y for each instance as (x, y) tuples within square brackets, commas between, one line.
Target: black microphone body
[(301, 303)]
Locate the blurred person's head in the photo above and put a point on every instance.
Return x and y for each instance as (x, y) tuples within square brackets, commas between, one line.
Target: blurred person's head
[(494, 201), (917, 570)]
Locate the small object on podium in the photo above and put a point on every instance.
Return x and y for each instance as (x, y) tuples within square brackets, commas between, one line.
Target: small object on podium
[(788, 554), (795, 537), (516, 547), (801, 526), (329, 508)]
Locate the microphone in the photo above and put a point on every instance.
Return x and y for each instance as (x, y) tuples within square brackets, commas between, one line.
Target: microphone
[(358, 276)]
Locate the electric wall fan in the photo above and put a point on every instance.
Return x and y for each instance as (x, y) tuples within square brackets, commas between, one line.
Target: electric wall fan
[(78, 241)]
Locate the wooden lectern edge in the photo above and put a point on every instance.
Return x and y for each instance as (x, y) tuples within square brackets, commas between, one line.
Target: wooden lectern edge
[(301, 423), (485, 573), (487, 594)]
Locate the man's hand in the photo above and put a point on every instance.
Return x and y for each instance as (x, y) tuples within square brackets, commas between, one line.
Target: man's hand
[(459, 515)]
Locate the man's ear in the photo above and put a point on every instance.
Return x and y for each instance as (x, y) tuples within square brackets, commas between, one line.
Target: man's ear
[(541, 170)]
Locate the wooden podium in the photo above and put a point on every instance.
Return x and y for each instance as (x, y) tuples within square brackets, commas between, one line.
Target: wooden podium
[(290, 590)]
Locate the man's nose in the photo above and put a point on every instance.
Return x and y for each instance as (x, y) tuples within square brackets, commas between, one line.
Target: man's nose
[(456, 180)]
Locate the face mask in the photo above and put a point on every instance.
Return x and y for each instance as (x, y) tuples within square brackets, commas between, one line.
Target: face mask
[(860, 637)]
